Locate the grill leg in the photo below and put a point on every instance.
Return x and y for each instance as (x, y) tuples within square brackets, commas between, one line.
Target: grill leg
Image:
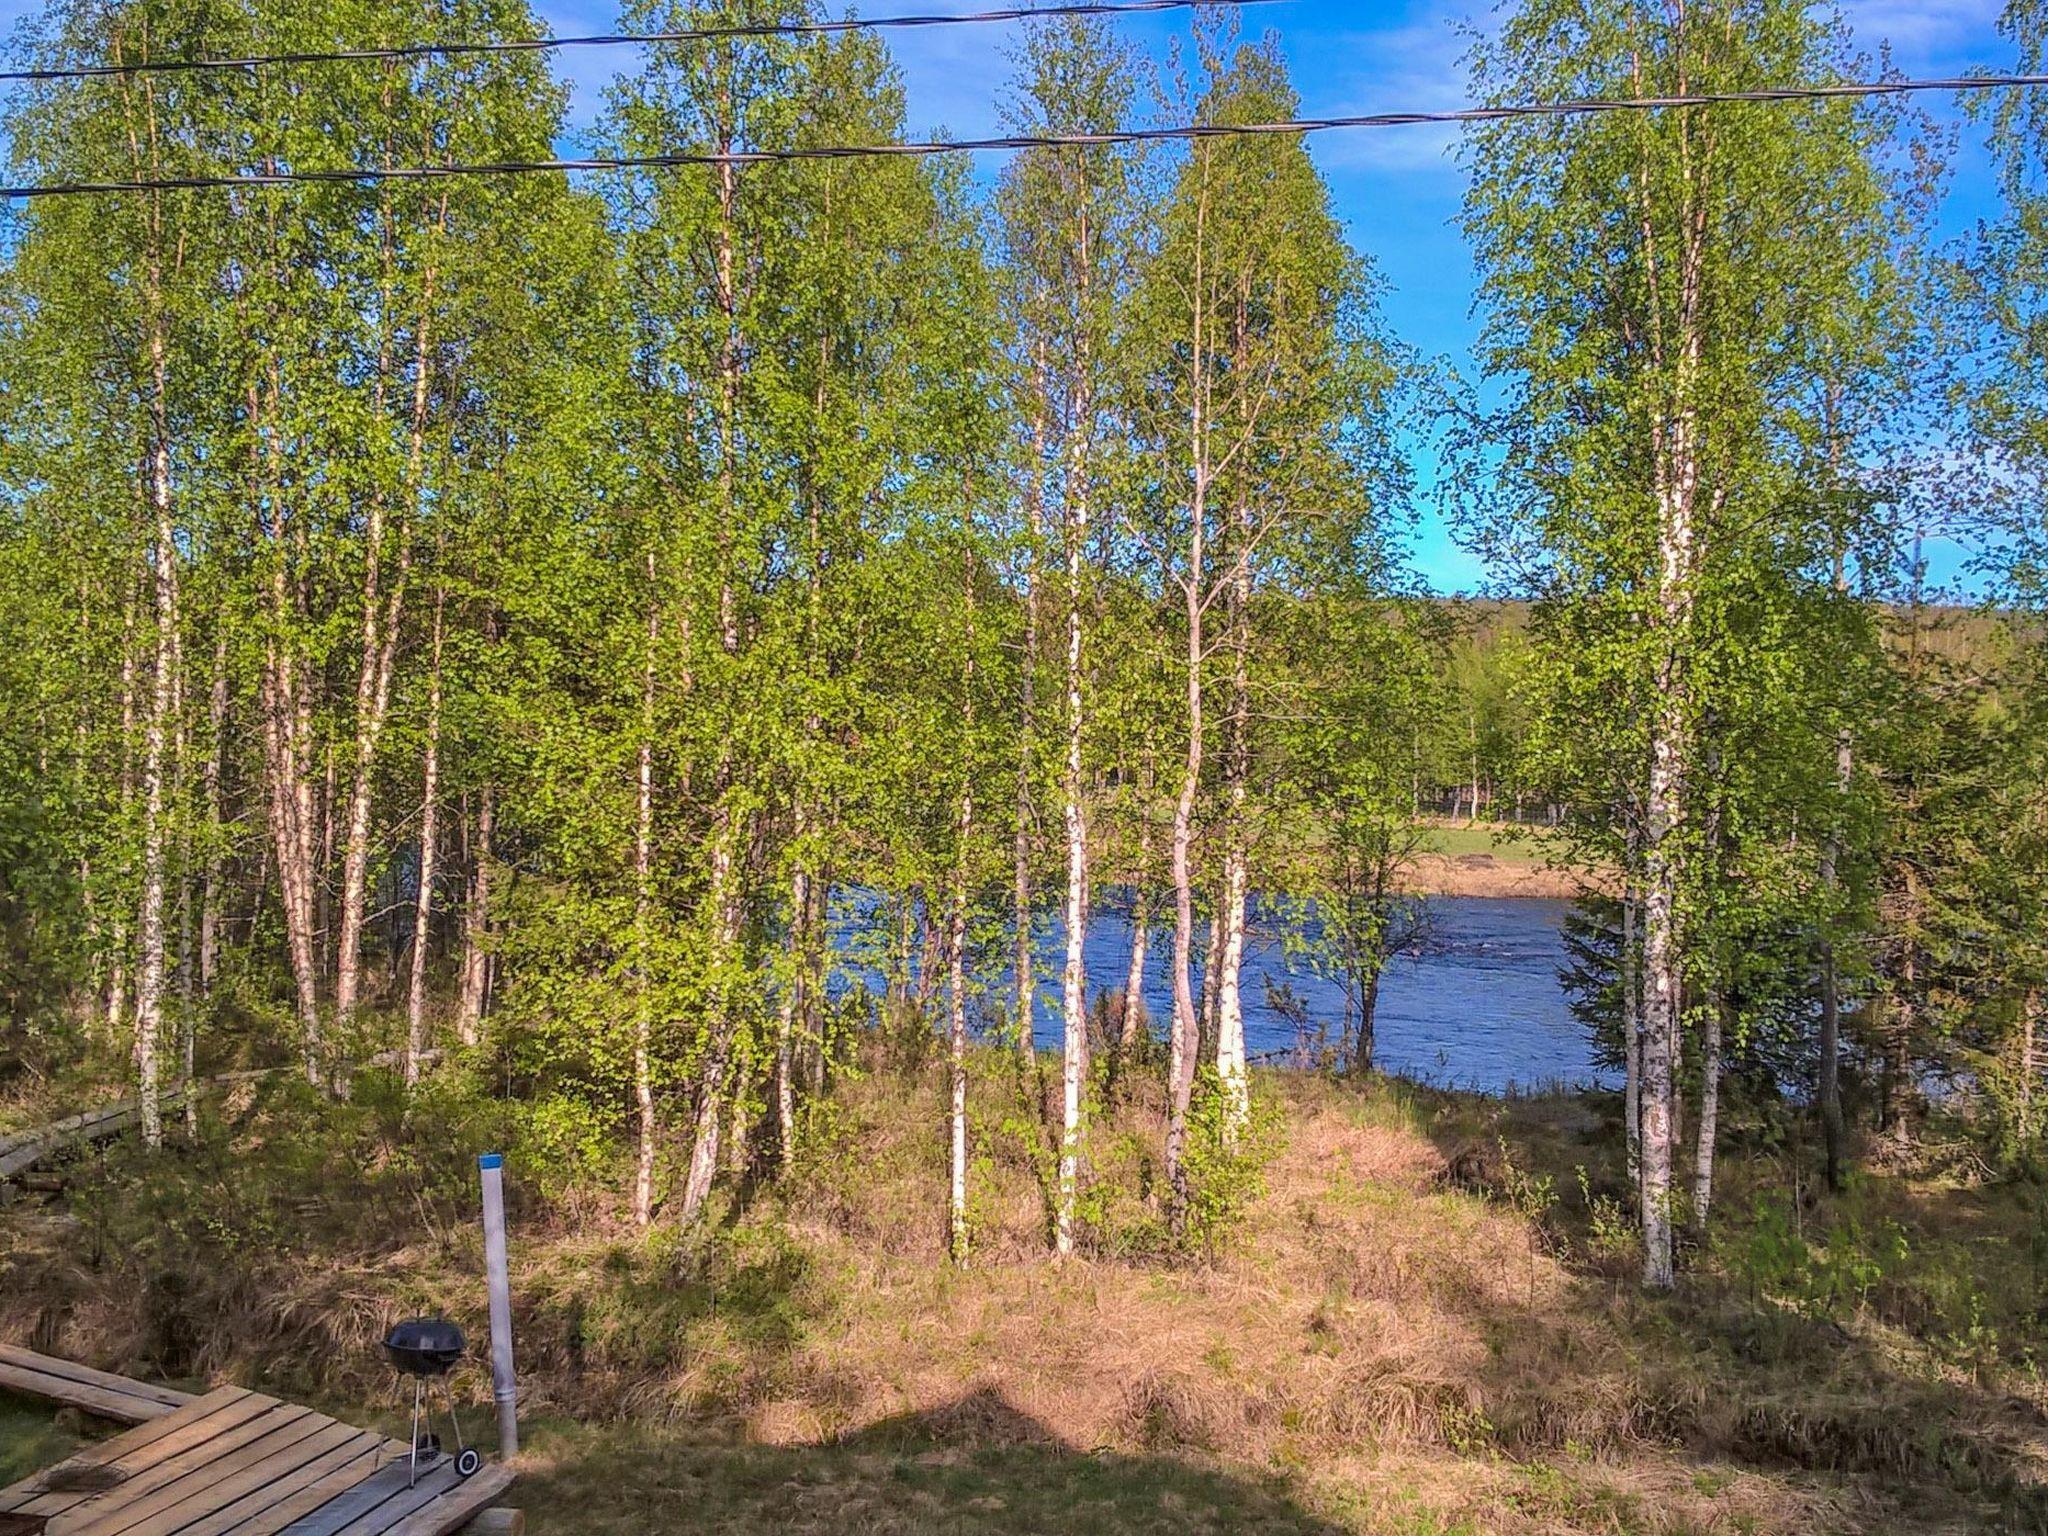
[(448, 1390), (419, 1398)]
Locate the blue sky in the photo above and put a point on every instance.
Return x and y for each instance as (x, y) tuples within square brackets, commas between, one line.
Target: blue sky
[(1397, 190)]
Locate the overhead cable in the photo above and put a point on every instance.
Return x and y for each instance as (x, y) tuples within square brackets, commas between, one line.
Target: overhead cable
[(721, 33), (1580, 107)]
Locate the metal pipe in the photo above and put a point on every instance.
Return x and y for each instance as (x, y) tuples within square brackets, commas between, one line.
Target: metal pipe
[(504, 1388)]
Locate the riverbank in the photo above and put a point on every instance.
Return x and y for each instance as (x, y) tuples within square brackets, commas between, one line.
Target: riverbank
[(1483, 860), (1423, 1323)]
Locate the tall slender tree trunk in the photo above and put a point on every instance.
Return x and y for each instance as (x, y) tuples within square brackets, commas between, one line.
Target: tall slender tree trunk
[(1718, 1019), (1675, 470), (1132, 1025), (1184, 1043), (474, 995), (1230, 1047), (149, 984), (730, 834), (716, 1062), (1660, 1004), (1075, 531), (1828, 1092), (210, 785), (1023, 962), (423, 903), (789, 1011), (1073, 993), (286, 705), (1631, 1036), (643, 902), (1212, 979), (382, 611), (118, 931), (956, 942)]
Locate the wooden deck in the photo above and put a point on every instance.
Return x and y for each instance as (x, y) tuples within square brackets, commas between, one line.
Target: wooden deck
[(231, 1463), (79, 1386)]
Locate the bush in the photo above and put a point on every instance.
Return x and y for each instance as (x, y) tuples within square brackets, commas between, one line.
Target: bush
[(1224, 1164)]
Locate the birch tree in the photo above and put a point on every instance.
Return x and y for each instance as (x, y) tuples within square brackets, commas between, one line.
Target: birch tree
[(1067, 227), (1655, 333)]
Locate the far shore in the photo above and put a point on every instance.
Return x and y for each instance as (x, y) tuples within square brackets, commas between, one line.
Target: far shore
[(1482, 874), (1462, 859)]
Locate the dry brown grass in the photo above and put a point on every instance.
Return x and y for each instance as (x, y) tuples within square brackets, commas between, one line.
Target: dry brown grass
[(1376, 1349)]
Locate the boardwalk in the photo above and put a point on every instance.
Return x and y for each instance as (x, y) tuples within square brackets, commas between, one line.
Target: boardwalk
[(231, 1463)]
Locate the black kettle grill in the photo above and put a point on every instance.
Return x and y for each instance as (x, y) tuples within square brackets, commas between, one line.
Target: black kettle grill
[(428, 1348)]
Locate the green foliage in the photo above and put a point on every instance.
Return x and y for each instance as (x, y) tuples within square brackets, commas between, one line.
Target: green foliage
[(1225, 1164), (1831, 1276)]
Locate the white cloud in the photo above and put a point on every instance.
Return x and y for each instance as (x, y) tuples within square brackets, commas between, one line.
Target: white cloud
[(1416, 64)]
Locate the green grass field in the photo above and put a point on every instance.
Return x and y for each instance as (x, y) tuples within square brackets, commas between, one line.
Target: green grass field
[(1523, 845)]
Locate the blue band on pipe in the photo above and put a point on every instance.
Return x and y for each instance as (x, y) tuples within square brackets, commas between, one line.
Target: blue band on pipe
[(491, 1160)]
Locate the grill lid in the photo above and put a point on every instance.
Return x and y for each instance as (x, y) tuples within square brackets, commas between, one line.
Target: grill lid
[(425, 1344)]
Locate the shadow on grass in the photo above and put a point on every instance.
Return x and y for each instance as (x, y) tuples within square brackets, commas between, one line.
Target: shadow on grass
[(978, 1464)]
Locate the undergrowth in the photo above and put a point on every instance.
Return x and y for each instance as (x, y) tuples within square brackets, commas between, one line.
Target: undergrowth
[(1393, 1309)]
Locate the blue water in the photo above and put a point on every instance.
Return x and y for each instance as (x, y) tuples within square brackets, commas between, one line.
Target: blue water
[(1477, 1005)]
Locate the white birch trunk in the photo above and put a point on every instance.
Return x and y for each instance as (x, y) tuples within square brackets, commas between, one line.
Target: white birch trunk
[(1631, 1038), (956, 947), (1710, 1113), (792, 1008), (1230, 1048), (1132, 1025), (1073, 991), (729, 835), (210, 777), (117, 941), (149, 983), (643, 901), (423, 904), (1073, 995), (474, 996), (381, 615), (1024, 961), (1184, 1043), (1212, 978), (711, 1085)]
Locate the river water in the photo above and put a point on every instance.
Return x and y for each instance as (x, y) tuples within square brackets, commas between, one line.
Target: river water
[(1478, 1004)]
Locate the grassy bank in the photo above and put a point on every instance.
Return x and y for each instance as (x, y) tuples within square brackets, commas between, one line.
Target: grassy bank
[(1455, 858), (1423, 1323)]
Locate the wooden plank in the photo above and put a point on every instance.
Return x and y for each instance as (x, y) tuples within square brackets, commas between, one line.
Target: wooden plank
[(304, 1501), (185, 1430), (359, 1451), (71, 1370), (372, 1494), (88, 1128), (498, 1520), (222, 1481), (436, 1482), (108, 1451), (180, 1460), (22, 1150), (130, 1453), (452, 1511), (121, 1407), (83, 1119)]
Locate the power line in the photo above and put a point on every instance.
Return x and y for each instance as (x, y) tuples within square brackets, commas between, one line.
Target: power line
[(732, 32), (1582, 107)]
